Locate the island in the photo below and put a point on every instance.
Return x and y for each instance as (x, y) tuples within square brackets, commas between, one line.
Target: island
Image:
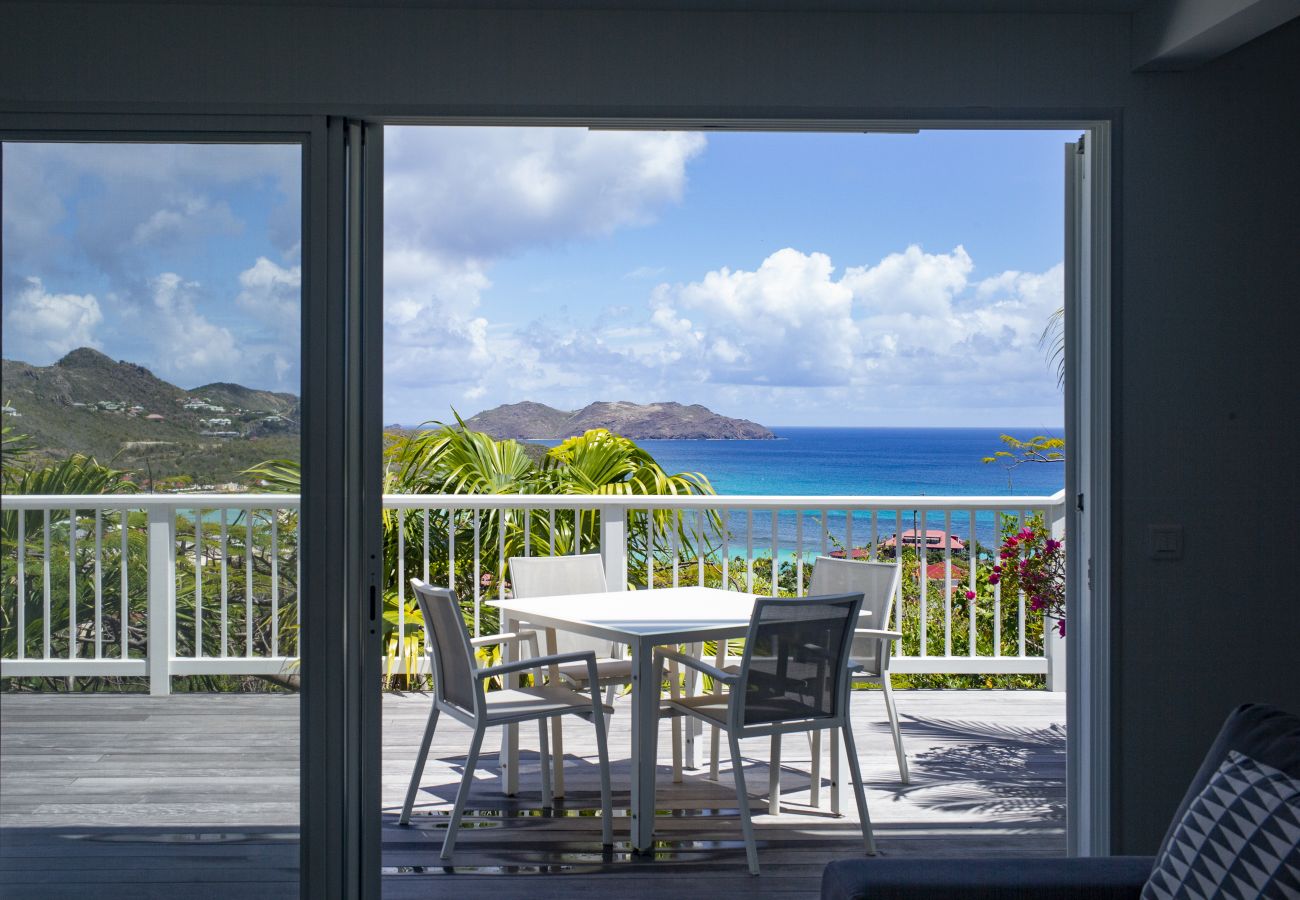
[(638, 421)]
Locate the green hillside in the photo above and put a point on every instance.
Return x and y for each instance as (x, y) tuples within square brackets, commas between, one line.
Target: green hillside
[(120, 412)]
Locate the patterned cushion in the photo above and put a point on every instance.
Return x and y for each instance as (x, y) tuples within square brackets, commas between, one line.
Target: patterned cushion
[(1240, 838)]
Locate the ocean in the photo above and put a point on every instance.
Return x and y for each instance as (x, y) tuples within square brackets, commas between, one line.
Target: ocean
[(859, 461)]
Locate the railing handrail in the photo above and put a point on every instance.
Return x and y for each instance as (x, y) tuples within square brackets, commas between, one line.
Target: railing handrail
[(619, 515), (546, 501)]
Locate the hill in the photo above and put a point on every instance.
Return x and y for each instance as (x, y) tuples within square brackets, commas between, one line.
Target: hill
[(122, 414), (638, 421)]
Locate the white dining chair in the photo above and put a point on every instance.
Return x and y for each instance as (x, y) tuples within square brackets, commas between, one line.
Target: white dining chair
[(459, 692), (872, 641), (793, 677), (550, 576)]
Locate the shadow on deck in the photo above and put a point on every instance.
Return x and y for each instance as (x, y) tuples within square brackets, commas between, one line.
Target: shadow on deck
[(196, 796)]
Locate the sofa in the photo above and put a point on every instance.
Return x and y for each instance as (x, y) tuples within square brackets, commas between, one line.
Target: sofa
[(1263, 733)]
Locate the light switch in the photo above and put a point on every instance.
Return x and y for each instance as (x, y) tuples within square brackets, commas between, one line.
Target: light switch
[(1165, 541)]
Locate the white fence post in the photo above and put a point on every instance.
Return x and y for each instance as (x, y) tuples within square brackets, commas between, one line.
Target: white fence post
[(162, 598), (1053, 643), (613, 546)]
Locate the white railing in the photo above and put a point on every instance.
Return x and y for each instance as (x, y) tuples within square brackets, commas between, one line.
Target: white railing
[(174, 584)]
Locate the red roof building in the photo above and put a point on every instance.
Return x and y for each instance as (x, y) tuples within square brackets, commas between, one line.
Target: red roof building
[(934, 540)]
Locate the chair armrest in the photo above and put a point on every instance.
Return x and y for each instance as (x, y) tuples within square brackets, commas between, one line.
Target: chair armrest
[(878, 633), (537, 662), (1079, 878), (505, 637), (698, 665)]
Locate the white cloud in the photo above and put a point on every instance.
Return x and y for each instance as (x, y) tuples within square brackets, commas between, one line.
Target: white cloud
[(486, 192), (273, 294), (53, 323), (186, 346), (786, 323)]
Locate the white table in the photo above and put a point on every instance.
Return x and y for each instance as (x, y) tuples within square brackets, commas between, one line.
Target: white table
[(643, 620)]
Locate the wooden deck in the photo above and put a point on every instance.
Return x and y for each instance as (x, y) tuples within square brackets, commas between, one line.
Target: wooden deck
[(195, 796)]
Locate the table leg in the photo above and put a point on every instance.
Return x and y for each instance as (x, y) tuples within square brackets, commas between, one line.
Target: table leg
[(557, 723), (509, 758), (645, 732)]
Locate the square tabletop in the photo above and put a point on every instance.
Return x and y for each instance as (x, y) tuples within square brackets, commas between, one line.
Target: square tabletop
[(663, 615)]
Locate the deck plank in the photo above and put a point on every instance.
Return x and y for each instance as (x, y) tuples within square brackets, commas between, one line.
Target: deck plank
[(198, 795)]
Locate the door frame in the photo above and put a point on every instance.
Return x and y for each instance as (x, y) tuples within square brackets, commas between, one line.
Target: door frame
[(342, 370), (341, 444)]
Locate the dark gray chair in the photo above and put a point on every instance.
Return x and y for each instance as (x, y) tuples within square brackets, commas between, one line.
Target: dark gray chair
[(458, 692), (1263, 733), (793, 677)]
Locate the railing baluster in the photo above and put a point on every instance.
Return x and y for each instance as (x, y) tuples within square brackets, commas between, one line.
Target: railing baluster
[(798, 552), (675, 545), (72, 583), (502, 518), (99, 583), (848, 534), (826, 532), (997, 590), (551, 535), (875, 539), (125, 598), (749, 550), (699, 545), (424, 546), (248, 582), (947, 582), (776, 552), (21, 576), (400, 515), (649, 549), (275, 582), (225, 583), (45, 587), (972, 555), (725, 518), (923, 559), (898, 561), (1020, 613), (198, 582), (478, 600), (528, 531), (451, 548)]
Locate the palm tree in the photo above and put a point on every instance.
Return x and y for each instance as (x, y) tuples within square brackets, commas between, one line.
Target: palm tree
[(453, 459)]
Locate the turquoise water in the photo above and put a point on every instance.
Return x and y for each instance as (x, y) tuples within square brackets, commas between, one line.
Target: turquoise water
[(858, 461)]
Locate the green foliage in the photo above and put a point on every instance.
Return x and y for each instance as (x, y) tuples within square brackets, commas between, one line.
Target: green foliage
[(1038, 449), (453, 459)]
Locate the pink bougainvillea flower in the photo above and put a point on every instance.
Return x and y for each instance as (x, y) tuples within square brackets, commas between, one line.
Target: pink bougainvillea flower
[(970, 595)]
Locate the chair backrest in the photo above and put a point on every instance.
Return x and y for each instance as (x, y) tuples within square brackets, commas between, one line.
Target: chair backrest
[(451, 657), (878, 584), (796, 659), (549, 576)]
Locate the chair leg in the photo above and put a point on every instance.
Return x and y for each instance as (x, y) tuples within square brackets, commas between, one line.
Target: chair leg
[(462, 793), (602, 754), (419, 767), (774, 777), (815, 770), (715, 747), (557, 760), (548, 799), (837, 787), (674, 691), (692, 725), (859, 792), (903, 773), (742, 802)]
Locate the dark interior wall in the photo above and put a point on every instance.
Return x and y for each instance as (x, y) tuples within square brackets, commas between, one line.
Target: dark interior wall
[(1207, 255)]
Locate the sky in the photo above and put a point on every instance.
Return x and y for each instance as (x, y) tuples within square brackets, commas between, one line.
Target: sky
[(792, 279)]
